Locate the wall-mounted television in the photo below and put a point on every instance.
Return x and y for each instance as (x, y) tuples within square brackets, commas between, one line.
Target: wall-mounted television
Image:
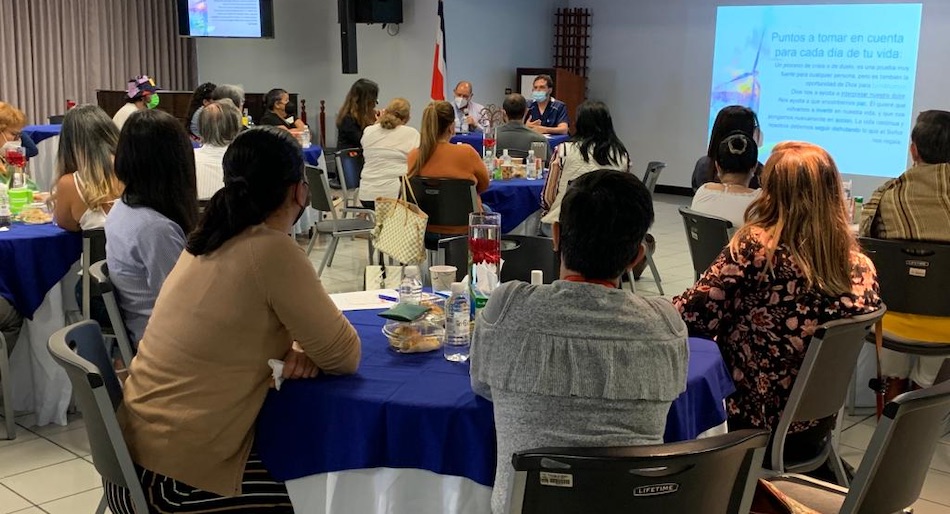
[(226, 18)]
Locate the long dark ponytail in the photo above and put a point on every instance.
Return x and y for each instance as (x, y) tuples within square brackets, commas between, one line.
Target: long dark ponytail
[(259, 166), (595, 135)]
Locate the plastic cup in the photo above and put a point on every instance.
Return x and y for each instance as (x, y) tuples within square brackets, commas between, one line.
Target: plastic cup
[(442, 277)]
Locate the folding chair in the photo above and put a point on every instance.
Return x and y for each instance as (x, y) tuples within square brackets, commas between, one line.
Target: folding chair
[(99, 277), (336, 227), (80, 350), (715, 474), (706, 236), (820, 389), (895, 465)]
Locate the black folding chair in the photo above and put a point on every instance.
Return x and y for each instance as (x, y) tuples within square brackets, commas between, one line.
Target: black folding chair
[(706, 236), (716, 474), (447, 201), (522, 255)]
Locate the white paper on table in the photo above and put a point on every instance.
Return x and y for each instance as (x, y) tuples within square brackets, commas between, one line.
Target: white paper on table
[(487, 277), (364, 300)]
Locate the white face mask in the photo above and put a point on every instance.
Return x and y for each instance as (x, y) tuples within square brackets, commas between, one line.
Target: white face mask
[(460, 102)]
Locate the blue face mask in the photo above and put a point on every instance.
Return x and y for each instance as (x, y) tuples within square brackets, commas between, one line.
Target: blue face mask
[(539, 96)]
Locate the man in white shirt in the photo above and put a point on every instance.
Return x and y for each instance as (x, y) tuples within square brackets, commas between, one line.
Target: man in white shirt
[(141, 94), (219, 123), (468, 114)]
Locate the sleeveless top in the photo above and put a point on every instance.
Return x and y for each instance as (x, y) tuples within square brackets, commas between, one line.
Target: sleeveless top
[(91, 218)]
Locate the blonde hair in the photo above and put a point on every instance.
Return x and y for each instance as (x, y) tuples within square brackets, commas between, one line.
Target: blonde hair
[(10, 116), (87, 147), (397, 113), (437, 118), (802, 208)]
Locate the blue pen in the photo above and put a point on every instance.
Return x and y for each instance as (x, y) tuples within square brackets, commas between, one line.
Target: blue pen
[(388, 298)]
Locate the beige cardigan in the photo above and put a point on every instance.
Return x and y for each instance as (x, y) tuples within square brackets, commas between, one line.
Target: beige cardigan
[(201, 374)]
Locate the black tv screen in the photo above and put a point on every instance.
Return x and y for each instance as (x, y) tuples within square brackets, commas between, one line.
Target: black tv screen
[(226, 18)]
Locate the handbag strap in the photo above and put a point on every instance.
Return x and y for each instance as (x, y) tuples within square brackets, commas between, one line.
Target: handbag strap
[(407, 187)]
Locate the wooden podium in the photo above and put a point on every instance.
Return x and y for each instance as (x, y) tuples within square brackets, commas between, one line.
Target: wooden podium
[(569, 87)]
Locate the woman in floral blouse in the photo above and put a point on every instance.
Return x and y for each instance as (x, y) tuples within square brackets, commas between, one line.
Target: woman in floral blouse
[(794, 266)]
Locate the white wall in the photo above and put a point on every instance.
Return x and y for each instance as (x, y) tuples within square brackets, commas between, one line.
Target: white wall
[(652, 64), (483, 46)]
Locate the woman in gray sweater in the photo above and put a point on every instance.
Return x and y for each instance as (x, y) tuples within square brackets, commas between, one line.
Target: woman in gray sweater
[(581, 362)]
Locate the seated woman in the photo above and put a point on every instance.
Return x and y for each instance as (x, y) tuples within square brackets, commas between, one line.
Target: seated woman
[(593, 146), (357, 112), (438, 158), (280, 112), (220, 122), (12, 123), (581, 362), (86, 185), (728, 120), (199, 100), (792, 267), (201, 373), (386, 147), (145, 231), (729, 197)]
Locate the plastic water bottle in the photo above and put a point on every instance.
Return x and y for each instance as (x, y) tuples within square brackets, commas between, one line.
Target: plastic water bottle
[(458, 337), (410, 289), (530, 166), (5, 215), (305, 138), (505, 158)]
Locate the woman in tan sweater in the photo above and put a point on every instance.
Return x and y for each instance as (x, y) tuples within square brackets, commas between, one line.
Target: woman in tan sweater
[(241, 293)]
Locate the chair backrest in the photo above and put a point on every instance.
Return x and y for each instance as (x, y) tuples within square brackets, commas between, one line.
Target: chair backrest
[(914, 277), (706, 236), (652, 174), (716, 474), (897, 460), (320, 193), (824, 378), (349, 165), (80, 350), (447, 201), (99, 277), (93, 250), (522, 254)]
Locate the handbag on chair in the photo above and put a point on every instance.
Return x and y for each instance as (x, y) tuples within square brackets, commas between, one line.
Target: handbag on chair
[(401, 227)]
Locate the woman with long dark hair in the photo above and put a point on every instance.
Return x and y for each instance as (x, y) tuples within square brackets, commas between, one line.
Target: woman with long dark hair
[(199, 99), (729, 120), (594, 146), (357, 112), (242, 292), (147, 227)]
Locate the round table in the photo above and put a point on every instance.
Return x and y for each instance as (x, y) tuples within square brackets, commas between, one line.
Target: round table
[(36, 264), (516, 199), (40, 132), (474, 139), (395, 416)]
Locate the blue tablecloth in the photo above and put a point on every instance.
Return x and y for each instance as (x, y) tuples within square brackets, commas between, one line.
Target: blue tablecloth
[(419, 411), (33, 258), (515, 199), (474, 139), (40, 132)]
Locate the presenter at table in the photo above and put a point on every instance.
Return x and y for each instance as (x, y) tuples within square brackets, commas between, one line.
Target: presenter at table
[(546, 114)]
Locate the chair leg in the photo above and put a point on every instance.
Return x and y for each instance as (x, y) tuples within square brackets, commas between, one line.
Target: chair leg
[(336, 241), (656, 274), (313, 239), (328, 255), (632, 282), (838, 467), (369, 244), (5, 382), (103, 503)]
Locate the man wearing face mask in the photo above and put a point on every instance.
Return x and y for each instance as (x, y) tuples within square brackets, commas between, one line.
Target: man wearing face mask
[(141, 94), (546, 114), (281, 112), (468, 114)]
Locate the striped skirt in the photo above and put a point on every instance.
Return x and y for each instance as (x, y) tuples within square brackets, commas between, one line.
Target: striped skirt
[(261, 493)]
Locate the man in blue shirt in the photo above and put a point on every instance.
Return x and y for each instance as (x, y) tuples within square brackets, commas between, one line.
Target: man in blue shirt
[(546, 115)]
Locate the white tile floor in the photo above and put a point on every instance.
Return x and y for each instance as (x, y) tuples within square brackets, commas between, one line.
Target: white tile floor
[(48, 469)]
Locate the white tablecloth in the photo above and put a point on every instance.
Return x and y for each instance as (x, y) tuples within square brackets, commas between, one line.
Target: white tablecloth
[(43, 166), (39, 384)]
